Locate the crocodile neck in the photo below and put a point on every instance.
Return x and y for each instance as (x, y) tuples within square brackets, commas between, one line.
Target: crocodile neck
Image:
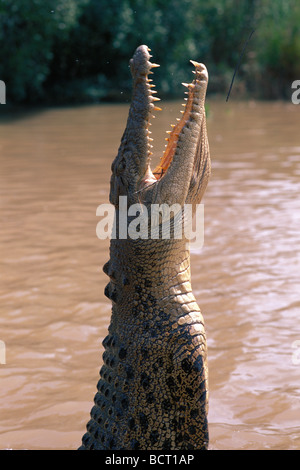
[(141, 270), (156, 346)]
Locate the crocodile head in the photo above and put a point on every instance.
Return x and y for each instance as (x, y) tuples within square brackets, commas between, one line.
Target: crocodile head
[(183, 172)]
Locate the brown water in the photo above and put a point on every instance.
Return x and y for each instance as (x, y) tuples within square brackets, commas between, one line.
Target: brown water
[(55, 170)]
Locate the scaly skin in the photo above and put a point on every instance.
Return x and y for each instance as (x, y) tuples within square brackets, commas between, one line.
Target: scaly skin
[(153, 392)]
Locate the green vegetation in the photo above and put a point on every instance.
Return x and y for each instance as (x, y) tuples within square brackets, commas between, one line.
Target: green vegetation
[(71, 51)]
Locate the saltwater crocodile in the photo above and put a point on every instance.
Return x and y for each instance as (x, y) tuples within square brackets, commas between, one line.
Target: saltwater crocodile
[(153, 391)]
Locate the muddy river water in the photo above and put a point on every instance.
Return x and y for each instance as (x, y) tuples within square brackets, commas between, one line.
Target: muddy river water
[(54, 173)]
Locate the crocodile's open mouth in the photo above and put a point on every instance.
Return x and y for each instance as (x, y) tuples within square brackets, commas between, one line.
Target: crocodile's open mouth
[(169, 152), (184, 166), (194, 93)]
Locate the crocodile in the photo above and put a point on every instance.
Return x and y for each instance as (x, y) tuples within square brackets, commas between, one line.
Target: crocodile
[(153, 388)]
